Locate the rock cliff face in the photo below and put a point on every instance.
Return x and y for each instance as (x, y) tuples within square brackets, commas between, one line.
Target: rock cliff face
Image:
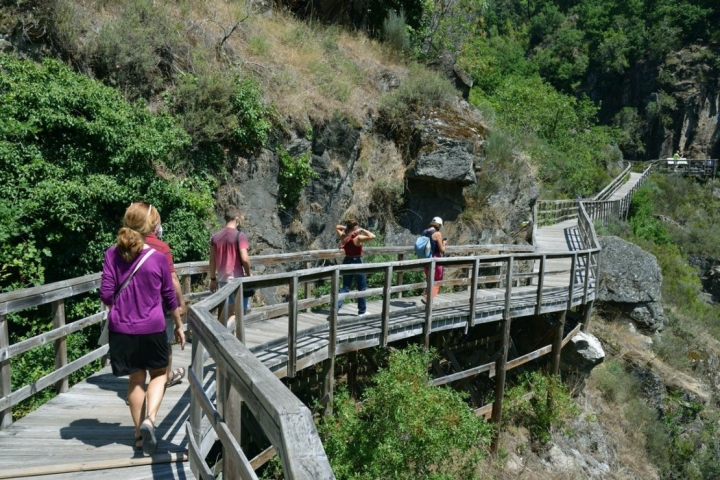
[(691, 87), (695, 127), (360, 171), (630, 281)]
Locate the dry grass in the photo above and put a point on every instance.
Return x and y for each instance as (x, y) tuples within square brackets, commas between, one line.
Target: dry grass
[(313, 70), (379, 163), (306, 70)]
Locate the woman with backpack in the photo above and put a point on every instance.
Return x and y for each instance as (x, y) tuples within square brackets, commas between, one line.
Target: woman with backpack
[(437, 246)]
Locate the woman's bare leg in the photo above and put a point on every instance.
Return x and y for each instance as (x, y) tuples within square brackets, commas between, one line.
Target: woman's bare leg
[(155, 392), (136, 397)]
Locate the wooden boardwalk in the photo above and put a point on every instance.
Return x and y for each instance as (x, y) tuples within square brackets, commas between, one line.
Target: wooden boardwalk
[(87, 432)]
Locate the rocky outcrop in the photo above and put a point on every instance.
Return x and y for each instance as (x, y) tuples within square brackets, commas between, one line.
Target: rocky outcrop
[(630, 281), (578, 357)]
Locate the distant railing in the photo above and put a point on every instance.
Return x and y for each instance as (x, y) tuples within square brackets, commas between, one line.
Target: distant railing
[(687, 166), (613, 186), (552, 212)]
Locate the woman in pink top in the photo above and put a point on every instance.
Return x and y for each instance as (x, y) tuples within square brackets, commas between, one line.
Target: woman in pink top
[(137, 340)]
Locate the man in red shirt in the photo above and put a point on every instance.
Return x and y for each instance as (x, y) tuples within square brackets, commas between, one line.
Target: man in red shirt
[(153, 240), (229, 257)]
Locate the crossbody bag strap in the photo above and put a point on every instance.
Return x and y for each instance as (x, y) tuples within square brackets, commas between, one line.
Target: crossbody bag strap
[(132, 274)]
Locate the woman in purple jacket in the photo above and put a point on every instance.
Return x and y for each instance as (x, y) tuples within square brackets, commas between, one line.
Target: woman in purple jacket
[(136, 322)]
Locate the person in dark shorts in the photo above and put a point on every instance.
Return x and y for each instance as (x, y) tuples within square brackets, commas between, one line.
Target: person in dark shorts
[(136, 284), (153, 239)]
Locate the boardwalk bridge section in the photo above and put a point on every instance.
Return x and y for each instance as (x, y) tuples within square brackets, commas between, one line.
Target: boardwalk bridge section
[(86, 431)]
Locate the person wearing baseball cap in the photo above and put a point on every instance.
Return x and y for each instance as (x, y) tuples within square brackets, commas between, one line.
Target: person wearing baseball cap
[(437, 244)]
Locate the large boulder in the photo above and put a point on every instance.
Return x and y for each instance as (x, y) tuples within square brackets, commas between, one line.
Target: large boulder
[(446, 145), (578, 357), (630, 281)]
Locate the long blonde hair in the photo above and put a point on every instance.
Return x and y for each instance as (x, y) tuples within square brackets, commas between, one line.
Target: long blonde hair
[(139, 220)]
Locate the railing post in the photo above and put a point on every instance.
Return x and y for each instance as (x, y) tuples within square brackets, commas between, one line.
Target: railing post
[(571, 289), (473, 291), (292, 328), (400, 257), (586, 276), (385, 320), (332, 342), (501, 362), (240, 314), (307, 286), (5, 415), (541, 282), (58, 313), (195, 413)]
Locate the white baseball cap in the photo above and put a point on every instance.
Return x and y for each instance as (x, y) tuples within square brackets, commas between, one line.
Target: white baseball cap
[(437, 220)]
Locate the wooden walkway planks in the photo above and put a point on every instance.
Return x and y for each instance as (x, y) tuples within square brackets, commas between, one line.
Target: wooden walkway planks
[(627, 186), (89, 427)]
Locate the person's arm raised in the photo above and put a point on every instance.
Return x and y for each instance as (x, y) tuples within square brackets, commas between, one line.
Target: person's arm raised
[(363, 236)]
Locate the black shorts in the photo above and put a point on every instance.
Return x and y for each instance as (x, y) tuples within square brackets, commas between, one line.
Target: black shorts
[(132, 353)]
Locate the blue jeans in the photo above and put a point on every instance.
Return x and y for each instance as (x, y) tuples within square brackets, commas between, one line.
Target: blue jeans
[(231, 298), (360, 282)]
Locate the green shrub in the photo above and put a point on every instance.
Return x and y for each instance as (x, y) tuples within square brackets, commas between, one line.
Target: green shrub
[(203, 104), (404, 429), (549, 408), (394, 31), (294, 175), (73, 155), (253, 116), (642, 219)]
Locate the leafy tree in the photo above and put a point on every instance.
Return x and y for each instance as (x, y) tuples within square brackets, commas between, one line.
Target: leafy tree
[(404, 428), (73, 155)]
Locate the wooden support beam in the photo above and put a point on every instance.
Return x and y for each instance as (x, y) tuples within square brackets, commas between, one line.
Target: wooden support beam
[(329, 384), (385, 315), (502, 361), (557, 343), (473, 291), (429, 303), (587, 313)]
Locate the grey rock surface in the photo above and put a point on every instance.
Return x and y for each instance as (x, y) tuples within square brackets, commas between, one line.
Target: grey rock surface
[(630, 281)]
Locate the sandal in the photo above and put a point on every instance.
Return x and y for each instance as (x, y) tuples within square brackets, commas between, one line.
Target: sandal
[(138, 442), (176, 376), (149, 442)]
